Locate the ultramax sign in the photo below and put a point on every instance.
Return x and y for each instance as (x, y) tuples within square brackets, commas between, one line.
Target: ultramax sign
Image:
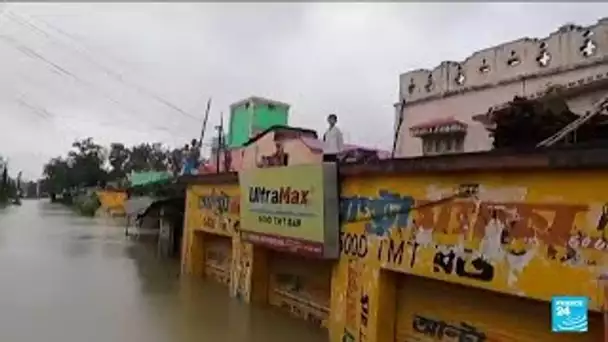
[(292, 208)]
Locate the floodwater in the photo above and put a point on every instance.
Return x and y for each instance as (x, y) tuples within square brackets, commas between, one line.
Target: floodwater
[(66, 278)]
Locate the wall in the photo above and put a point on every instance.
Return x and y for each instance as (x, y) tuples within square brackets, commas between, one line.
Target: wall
[(112, 201), (480, 91), (520, 235), (211, 211), (240, 123), (298, 152), (266, 116)]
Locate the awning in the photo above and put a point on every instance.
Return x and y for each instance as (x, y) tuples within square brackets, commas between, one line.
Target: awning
[(438, 126), (138, 205), (147, 178)]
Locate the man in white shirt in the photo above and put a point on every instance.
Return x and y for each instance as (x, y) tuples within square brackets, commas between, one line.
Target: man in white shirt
[(334, 142)]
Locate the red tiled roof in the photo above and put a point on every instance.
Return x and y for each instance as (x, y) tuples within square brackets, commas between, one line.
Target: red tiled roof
[(438, 122)]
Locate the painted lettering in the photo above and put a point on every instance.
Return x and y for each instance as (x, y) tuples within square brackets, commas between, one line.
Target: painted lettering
[(551, 223), (381, 213), (439, 329), (353, 244), (448, 262), (218, 201), (391, 251), (282, 195), (395, 252)]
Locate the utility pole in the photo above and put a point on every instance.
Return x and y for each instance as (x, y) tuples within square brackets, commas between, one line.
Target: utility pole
[(220, 142), (205, 119), (398, 128)]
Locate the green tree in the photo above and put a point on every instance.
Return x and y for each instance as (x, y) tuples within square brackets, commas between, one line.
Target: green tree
[(118, 157), (147, 157), (57, 176), (86, 163)]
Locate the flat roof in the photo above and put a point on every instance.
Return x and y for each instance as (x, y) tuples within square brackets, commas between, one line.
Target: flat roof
[(258, 99)]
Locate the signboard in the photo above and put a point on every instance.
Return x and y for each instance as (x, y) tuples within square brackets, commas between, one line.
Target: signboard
[(293, 208), (213, 209)]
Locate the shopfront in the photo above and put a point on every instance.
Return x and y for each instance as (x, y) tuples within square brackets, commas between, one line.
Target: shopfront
[(218, 258), (212, 220), (433, 310), (292, 212)]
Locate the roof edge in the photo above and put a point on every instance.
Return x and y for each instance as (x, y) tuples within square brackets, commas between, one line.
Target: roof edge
[(259, 99)]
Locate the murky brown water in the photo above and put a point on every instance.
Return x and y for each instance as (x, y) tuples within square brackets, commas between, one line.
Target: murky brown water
[(66, 278)]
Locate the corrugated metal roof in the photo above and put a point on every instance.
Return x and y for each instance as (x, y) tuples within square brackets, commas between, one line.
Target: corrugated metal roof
[(145, 178)]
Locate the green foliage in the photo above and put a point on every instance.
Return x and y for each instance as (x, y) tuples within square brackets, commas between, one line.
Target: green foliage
[(85, 165), (87, 204), (8, 186)]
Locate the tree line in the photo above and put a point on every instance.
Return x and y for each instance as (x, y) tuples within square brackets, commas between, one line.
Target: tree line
[(89, 164), (8, 185)]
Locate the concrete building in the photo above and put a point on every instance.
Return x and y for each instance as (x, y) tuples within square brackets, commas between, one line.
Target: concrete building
[(253, 115), (439, 107)]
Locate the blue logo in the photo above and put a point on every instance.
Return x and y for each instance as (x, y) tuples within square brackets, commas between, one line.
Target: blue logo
[(569, 314)]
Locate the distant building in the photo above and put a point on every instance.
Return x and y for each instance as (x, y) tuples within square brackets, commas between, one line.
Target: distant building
[(253, 115), (443, 108)]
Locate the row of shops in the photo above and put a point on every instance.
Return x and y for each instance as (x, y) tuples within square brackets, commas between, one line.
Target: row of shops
[(392, 254), (290, 272)]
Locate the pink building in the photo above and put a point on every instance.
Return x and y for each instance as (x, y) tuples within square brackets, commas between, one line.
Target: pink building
[(440, 109), (285, 145)]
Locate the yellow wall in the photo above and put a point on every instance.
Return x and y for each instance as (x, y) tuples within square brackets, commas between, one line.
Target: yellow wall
[(112, 201), (202, 221), (552, 243), (554, 246), (422, 300)]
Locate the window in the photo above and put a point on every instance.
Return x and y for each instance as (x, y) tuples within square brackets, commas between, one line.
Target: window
[(442, 145)]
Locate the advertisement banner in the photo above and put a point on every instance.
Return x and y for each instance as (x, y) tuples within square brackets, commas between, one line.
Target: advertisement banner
[(292, 208)]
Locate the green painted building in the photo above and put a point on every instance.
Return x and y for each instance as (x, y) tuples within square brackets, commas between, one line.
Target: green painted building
[(252, 116)]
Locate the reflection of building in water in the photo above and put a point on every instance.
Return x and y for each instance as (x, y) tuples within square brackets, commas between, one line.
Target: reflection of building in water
[(443, 105)]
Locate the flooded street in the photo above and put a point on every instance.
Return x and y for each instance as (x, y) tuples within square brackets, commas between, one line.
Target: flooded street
[(70, 279)]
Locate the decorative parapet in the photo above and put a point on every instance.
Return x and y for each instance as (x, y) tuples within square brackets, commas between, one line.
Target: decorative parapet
[(570, 47)]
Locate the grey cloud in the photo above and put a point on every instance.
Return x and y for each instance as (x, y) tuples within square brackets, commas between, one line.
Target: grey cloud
[(320, 57)]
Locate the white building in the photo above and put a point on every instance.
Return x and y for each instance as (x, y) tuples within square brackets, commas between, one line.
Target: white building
[(443, 105)]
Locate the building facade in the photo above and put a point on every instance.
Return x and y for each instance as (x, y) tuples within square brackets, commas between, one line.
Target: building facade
[(474, 245), (295, 146), (437, 108), (253, 115)]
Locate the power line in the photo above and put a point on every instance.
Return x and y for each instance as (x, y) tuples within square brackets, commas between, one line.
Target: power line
[(110, 73), (57, 69)]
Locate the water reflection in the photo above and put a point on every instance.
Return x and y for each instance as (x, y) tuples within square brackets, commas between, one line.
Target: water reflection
[(68, 278)]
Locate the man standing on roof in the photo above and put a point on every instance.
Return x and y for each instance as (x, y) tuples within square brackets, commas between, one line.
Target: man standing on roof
[(334, 142), (195, 155)]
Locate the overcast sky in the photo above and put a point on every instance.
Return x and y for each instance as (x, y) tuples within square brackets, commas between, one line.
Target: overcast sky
[(142, 72)]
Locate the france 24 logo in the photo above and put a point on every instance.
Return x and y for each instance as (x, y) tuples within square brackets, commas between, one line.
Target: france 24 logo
[(569, 314)]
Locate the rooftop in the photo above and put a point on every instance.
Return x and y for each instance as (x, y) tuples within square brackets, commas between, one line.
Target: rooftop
[(258, 100)]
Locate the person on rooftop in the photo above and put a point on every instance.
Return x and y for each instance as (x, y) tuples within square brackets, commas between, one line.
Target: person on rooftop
[(334, 142)]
